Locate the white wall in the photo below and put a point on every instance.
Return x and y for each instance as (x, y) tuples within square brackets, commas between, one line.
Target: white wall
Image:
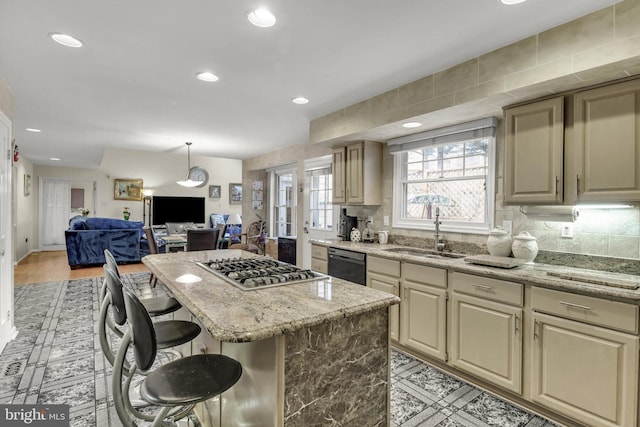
[(25, 210)]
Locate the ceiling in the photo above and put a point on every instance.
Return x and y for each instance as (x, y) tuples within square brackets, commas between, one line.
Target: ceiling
[(133, 83)]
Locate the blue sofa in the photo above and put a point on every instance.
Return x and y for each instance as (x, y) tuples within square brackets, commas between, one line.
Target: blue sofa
[(87, 238)]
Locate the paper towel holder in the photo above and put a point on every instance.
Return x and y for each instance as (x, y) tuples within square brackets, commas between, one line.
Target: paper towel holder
[(551, 213)]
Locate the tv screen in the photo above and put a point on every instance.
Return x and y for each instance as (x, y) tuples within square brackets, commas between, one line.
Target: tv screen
[(177, 209)]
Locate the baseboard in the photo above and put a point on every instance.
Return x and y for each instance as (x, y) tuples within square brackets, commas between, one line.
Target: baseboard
[(25, 256)]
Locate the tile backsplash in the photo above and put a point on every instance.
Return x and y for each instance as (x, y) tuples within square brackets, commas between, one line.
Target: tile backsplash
[(596, 232)]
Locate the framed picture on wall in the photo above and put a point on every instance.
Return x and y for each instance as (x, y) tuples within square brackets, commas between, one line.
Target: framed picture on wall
[(235, 194), (214, 191), (127, 189), (27, 184)]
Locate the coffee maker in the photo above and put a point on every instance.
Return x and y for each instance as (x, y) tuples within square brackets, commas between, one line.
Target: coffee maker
[(347, 223)]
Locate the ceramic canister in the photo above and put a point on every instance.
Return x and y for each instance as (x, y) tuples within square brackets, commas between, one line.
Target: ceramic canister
[(525, 247), (499, 242), (383, 237), (355, 235)]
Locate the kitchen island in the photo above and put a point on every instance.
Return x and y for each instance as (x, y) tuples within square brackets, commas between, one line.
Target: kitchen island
[(313, 353)]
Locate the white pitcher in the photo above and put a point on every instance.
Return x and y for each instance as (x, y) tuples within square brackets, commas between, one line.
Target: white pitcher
[(383, 237)]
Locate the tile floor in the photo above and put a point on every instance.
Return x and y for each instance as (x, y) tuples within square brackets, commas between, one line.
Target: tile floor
[(56, 358)]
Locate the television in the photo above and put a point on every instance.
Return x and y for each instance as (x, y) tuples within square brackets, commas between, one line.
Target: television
[(177, 209)]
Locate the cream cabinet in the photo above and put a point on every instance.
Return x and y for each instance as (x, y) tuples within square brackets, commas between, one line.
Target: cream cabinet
[(486, 329), (581, 366), (423, 310), (357, 174), (580, 147), (534, 153), (384, 275), (319, 259), (605, 151)]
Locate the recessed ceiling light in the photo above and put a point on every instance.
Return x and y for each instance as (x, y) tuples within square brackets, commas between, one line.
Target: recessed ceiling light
[(65, 40), (207, 77), (55, 159), (411, 125), (512, 1), (300, 100), (261, 17), (34, 130)]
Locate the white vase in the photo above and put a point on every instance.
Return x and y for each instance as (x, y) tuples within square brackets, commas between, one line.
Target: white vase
[(525, 247), (499, 242)]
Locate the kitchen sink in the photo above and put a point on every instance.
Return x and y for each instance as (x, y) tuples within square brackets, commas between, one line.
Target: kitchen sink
[(423, 253)]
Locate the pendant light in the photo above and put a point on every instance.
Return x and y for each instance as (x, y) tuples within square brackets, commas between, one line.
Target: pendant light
[(188, 182)]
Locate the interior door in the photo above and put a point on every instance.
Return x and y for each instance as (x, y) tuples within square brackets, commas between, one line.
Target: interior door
[(7, 330), (320, 215), (55, 207)]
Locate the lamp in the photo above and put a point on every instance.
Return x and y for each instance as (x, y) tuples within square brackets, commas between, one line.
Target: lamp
[(188, 182), (234, 219), (146, 193)]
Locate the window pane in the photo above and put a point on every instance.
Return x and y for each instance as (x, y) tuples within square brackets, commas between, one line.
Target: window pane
[(453, 150)]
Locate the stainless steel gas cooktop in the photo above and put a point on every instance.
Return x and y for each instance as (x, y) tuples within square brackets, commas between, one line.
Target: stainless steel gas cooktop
[(258, 272)]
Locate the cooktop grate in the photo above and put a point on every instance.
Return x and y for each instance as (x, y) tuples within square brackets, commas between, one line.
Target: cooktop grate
[(258, 272)]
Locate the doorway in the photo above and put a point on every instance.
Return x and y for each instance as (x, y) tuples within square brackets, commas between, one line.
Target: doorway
[(7, 328), (55, 208), (320, 215)]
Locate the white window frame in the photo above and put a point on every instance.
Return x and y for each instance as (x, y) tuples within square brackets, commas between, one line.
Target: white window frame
[(327, 212), (449, 135), (274, 172)]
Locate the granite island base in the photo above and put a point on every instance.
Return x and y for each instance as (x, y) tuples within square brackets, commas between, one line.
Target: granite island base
[(314, 353)]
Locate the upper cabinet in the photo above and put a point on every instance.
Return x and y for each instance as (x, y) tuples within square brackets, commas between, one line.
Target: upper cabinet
[(582, 147), (534, 144), (606, 144), (357, 174)]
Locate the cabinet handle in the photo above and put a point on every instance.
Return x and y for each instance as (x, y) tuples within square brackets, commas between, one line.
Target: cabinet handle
[(577, 185), (482, 287), (556, 186), (535, 329), (516, 324), (578, 306)]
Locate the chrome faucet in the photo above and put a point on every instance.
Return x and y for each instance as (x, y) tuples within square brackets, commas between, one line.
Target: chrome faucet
[(439, 244)]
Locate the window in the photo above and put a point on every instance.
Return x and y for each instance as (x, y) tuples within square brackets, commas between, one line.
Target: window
[(284, 203), (320, 196), (452, 169)]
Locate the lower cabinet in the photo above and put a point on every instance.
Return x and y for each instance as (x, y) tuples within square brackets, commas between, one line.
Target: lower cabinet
[(384, 275), (486, 340), (584, 371), (319, 259), (486, 329), (423, 310)]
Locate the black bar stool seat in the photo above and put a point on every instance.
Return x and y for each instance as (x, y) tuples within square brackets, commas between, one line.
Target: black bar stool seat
[(157, 306), (190, 380), (172, 333)]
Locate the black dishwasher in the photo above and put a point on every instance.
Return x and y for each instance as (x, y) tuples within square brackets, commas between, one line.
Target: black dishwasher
[(348, 265)]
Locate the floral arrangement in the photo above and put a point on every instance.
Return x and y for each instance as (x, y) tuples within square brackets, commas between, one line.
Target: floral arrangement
[(126, 213), (84, 211)]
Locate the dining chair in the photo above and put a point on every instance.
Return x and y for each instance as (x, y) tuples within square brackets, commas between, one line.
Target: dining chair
[(202, 239)]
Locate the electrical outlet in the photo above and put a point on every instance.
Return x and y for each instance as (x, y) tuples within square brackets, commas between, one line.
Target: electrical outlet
[(566, 230), (385, 220), (507, 226)]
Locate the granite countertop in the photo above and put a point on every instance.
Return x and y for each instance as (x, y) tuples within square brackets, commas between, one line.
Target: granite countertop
[(234, 315), (544, 275)]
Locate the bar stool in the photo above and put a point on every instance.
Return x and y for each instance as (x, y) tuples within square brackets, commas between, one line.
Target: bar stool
[(178, 384), (168, 334)]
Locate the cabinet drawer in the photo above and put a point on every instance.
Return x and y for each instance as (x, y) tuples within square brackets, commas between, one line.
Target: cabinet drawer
[(424, 274), (319, 252), (485, 287), (385, 266), (598, 311), (319, 266)]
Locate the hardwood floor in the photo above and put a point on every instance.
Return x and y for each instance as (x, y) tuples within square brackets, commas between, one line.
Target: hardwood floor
[(52, 266)]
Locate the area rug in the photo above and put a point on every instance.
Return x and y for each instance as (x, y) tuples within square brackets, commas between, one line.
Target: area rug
[(56, 359)]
